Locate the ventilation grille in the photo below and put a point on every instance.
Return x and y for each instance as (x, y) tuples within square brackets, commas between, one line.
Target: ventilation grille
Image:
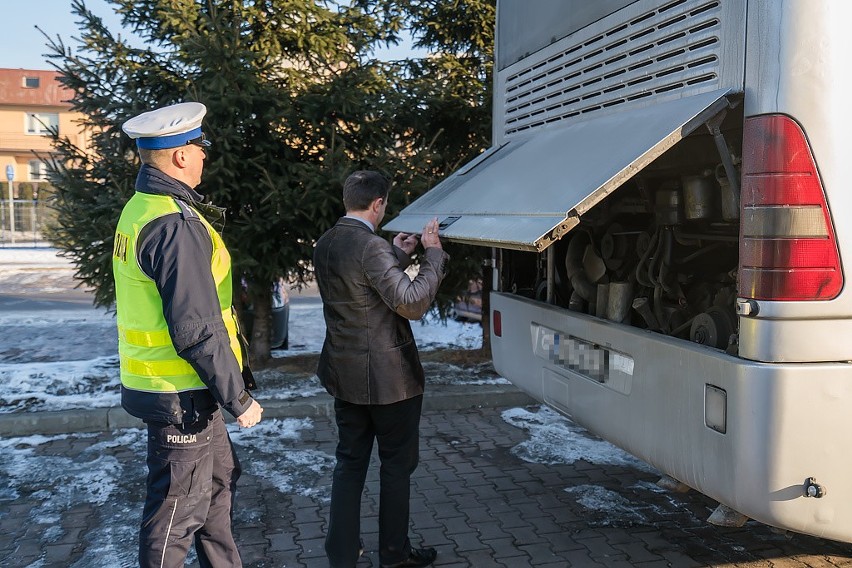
[(671, 48)]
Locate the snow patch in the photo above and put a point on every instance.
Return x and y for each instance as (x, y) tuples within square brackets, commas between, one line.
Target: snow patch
[(555, 439), (291, 471), (613, 505)]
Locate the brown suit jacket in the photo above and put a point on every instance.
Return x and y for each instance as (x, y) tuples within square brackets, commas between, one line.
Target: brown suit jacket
[(369, 355)]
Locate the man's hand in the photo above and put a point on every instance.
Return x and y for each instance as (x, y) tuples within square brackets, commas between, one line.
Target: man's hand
[(429, 238), (251, 416), (406, 242)]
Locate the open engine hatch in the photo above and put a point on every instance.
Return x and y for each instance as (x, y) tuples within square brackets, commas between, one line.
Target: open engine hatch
[(528, 192)]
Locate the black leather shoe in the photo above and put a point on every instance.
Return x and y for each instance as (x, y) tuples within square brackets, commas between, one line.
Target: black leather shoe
[(417, 557)]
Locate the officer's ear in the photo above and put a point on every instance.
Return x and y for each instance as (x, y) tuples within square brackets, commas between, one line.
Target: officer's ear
[(179, 157)]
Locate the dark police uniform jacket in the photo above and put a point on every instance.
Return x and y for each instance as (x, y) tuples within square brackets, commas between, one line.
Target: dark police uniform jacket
[(175, 252)]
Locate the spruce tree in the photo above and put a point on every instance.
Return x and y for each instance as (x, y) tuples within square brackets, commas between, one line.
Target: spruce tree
[(294, 102), (448, 112)]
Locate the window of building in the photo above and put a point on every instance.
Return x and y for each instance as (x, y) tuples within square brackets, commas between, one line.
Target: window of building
[(42, 122), (38, 170), (31, 82)]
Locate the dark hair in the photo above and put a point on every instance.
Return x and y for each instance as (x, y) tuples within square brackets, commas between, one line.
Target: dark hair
[(363, 187)]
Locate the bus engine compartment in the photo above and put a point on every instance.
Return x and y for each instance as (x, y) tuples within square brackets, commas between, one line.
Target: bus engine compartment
[(659, 253)]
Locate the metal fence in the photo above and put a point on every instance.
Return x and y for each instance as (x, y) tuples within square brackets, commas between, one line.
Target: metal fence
[(23, 221)]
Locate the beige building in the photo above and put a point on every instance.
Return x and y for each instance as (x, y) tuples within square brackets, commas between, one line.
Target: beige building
[(33, 103)]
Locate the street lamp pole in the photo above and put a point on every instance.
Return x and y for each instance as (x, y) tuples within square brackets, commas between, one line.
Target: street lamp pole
[(10, 175)]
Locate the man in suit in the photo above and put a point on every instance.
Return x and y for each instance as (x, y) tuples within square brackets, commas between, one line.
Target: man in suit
[(369, 364)]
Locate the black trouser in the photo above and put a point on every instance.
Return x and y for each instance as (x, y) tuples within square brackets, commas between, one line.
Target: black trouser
[(396, 427), (192, 476)]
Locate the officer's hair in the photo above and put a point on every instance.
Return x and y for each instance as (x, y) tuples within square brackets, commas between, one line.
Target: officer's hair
[(158, 158), (363, 187)]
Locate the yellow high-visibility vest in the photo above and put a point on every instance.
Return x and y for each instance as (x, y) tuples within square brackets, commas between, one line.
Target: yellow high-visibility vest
[(149, 361)]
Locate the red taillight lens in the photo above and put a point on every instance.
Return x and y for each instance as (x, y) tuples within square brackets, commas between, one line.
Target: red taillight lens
[(787, 246), (497, 323), (787, 253)]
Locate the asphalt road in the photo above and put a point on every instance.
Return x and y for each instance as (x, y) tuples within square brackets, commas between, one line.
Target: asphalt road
[(69, 300)]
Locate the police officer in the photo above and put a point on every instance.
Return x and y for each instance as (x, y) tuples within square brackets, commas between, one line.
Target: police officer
[(181, 358)]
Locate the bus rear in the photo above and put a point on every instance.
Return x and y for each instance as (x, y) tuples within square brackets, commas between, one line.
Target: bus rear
[(662, 204)]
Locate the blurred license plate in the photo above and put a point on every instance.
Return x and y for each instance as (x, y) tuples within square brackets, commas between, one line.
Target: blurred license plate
[(578, 355)]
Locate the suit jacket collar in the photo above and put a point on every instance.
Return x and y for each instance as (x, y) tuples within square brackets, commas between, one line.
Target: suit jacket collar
[(350, 222)]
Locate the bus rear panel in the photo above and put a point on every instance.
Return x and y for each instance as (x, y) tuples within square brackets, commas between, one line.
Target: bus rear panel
[(662, 201)]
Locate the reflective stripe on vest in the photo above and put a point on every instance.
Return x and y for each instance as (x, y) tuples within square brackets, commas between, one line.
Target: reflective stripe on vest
[(162, 338), (149, 361)]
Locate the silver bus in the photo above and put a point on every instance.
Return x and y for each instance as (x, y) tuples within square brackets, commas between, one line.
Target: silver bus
[(664, 204)]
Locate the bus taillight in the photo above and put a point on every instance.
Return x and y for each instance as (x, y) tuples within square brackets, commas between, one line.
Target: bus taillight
[(788, 249)]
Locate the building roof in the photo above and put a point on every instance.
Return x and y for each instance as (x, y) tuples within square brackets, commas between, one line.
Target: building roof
[(13, 89)]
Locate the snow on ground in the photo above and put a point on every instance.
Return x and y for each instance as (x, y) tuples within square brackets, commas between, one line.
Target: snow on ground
[(25, 258), (640, 504), (52, 359), (56, 359), (601, 500), (60, 385), (291, 471), (92, 482), (307, 332), (77, 334), (96, 483), (25, 269), (553, 439), (103, 481)]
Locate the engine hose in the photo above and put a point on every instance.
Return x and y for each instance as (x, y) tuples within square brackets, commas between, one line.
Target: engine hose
[(640, 278), (541, 291), (665, 261), (562, 284), (710, 248), (656, 260), (658, 309), (574, 255), (576, 303), (574, 270)]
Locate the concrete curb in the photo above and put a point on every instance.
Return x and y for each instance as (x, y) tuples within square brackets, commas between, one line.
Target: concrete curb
[(437, 398)]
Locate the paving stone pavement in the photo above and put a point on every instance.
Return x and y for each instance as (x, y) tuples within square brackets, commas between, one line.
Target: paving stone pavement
[(473, 499)]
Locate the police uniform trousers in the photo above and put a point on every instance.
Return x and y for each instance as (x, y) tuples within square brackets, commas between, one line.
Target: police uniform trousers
[(396, 428), (192, 477)]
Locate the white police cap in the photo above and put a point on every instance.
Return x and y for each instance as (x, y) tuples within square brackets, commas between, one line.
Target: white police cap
[(168, 127)]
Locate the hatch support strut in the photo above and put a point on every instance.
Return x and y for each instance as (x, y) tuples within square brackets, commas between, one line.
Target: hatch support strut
[(714, 126)]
